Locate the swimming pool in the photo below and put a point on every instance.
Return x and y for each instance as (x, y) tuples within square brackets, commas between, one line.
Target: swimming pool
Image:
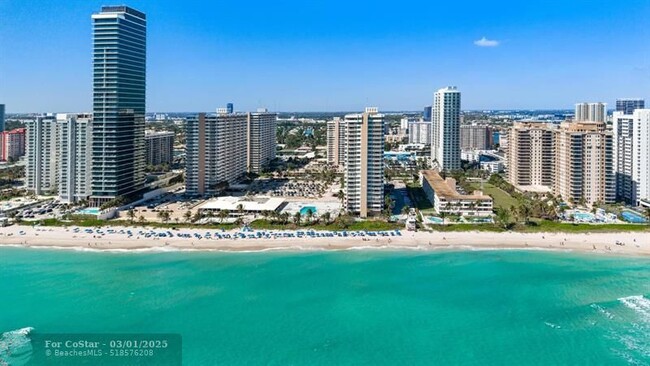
[(305, 209), (90, 211), (583, 216), (435, 220), (633, 217)]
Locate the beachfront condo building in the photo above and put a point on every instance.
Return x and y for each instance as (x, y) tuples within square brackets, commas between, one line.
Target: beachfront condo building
[(475, 137), (159, 147), (419, 132), (12, 144), (631, 155), (590, 112), (530, 156), (336, 142), (628, 106), (445, 138), (119, 73), (261, 140), (73, 158), (445, 198), (584, 166), (364, 163), (216, 151), (41, 162)]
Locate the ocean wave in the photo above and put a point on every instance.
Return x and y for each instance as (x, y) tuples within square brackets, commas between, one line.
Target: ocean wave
[(602, 310), (554, 326), (639, 304), (15, 346)]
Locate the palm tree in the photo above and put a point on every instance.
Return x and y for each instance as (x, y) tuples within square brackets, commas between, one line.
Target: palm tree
[(240, 209), (405, 210), (223, 214), (131, 214), (525, 211), (310, 214), (503, 216), (296, 218), (187, 216), (142, 220), (161, 215), (285, 217), (443, 215), (326, 216)]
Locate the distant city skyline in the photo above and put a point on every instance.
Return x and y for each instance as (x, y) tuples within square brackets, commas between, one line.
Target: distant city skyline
[(503, 55)]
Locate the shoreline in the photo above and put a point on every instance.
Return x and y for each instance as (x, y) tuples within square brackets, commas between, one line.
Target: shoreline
[(636, 244)]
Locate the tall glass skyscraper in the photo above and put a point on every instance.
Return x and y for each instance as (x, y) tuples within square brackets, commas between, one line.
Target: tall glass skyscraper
[(119, 77)]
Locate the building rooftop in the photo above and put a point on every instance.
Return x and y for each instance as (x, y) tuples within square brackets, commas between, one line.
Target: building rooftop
[(447, 187), (249, 204)]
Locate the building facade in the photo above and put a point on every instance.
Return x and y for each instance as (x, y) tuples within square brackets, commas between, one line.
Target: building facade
[(216, 152), (336, 142), (119, 78), (73, 157), (628, 106), (584, 167), (475, 137), (426, 115), (590, 112), (364, 164), (41, 163), (419, 133), (530, 155), (631, 150), (445, 198), (261, 140), (12, 144), (159, 147), (445, 139)]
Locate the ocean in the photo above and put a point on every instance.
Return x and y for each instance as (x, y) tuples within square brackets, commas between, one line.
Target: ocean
[(493, 307)]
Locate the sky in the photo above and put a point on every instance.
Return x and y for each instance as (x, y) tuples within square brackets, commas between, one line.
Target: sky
[(335, 55)]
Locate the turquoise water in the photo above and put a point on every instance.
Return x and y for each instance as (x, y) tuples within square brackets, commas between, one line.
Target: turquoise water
[(89, 211), (633, 217), (435, 220), (343, 308), (305, 209), (585, 216)]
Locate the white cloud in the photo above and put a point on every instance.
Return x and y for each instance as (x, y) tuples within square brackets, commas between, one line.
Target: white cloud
[(484, 42)]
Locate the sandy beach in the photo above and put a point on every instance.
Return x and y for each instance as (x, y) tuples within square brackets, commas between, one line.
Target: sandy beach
[(60, 237)]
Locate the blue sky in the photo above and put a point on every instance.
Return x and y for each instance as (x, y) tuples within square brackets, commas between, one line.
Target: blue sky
[(337, 55)]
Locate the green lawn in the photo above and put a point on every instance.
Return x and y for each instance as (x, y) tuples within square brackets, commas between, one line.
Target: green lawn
[(501, 198)]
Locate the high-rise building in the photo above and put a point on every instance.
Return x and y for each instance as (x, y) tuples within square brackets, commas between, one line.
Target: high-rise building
[(261, 140), (584, 167), (216, 151), (73, 157), (419, 133), (427, 113), (12, 144), (590, 112), (364, 163), (2, 117), (627, 106), (445, 139), (159, 147), (230, 108), (631, 155), (336, 142), (41, 163), (119, 78), (530, 156), (475, 137)]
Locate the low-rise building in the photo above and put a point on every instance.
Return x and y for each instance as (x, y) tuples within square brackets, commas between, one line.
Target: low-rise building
[(445, 198), (238, 206)]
